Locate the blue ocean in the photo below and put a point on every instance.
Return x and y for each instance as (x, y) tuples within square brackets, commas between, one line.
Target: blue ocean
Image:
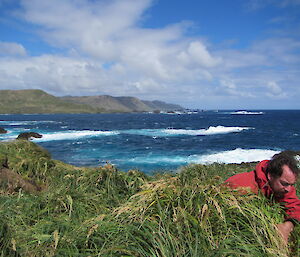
[(160, 142)]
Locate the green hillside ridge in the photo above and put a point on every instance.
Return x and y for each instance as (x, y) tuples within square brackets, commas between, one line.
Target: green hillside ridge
[(38, 101), (110, 103), (123, 103), (102, 211), (159, 105)]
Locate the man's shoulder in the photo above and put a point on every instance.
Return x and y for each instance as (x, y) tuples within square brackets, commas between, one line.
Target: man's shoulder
[(261, 172), (241, 179), (261, 167)]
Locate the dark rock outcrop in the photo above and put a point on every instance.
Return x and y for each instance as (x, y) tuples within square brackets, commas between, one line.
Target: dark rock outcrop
[(29, 135), (3, 131)]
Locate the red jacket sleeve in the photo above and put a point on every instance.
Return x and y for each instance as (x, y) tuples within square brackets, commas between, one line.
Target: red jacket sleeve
[(292, 205), (243, 181)]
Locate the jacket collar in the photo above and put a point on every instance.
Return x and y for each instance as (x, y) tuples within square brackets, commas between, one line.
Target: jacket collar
[(261, 177)]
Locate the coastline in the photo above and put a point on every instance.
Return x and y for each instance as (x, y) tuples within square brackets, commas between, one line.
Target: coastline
[(158, 141)]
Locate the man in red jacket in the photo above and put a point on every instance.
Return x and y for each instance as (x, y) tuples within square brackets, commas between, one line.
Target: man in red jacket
[(275, 178)]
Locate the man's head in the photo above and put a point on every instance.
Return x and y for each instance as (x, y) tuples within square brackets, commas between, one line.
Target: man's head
[(282, 172)]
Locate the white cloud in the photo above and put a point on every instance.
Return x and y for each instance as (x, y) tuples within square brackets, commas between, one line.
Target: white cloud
[(197, 53), (254, 5), (109, 52), (285, 3), (278, 50), (93, 27), (109, 33), (11, 49), (54, 74), (274, 88), (275, 91), (259, 70)]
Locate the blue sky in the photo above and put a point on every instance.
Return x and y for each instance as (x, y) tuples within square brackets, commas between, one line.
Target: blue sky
[(210, 54)]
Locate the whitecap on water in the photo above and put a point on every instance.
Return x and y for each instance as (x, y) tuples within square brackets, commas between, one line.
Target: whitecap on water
[(246, 112), (27, 122), (154, 133), (232, 156), (71, 135), (236, 156)]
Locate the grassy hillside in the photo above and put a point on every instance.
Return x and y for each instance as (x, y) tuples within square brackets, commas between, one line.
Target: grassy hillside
[(122, 104), (105, 212), (159, 105), (38, 101), (111, 104)]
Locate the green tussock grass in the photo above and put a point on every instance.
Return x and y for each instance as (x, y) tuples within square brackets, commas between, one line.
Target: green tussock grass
[(106, 212)]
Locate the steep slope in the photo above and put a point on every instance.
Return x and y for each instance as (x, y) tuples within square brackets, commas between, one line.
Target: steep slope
[(159, 105), (122, 103), (135, 104), (110, 103)]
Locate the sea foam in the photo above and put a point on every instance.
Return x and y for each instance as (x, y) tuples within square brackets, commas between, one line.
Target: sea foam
[(71, 135), (232, 156), (188, 132), (27, 122), (236, 156), (246, 112)]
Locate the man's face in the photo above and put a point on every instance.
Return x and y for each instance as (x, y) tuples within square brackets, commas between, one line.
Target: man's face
[(282, 185)]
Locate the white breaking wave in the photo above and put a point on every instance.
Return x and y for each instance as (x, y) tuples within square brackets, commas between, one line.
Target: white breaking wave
[(246, 112), (236, 156), (12, 134), (188, 132), (233, 156), (27, 122), (71, 135), (205, 132), (7, 137), (15, 123), (222, 130)]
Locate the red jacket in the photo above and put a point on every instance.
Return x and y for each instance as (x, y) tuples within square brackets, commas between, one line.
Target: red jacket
[(256, 181)]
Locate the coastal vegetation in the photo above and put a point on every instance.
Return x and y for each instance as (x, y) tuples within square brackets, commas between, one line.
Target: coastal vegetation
[(122, 103), (101, 211), (38, 101)]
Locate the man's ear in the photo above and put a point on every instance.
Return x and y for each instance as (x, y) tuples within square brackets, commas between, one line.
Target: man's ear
[(269, 176)]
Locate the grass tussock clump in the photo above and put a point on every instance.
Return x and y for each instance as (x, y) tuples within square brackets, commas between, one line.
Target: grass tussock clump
[(27, 159), (200, 219), (105, 212)]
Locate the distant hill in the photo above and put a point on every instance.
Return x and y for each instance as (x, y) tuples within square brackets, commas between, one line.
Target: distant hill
[(38, 101), (122, 104), (159, 105)]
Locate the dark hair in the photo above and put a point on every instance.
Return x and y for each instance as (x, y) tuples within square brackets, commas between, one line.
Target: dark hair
[(274, 167)]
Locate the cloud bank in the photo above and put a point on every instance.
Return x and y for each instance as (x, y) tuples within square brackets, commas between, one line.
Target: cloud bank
[(104, 49)]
